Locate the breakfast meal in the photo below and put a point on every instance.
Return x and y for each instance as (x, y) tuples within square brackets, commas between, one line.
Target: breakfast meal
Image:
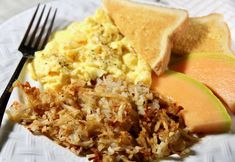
[(114, 91)]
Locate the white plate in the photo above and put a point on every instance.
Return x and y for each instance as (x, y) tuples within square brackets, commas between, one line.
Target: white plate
[(19, 145)]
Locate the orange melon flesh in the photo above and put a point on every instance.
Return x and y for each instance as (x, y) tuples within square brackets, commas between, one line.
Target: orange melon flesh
[(202, 110), (215, 70)]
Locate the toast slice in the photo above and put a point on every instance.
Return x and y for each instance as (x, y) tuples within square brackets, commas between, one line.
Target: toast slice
[(204, 34), (149, 29)]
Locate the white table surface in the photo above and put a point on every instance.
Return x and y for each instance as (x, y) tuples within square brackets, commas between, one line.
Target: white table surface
[(9, 8)]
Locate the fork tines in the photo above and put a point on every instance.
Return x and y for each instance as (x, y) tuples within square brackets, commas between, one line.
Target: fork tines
[(36, 38)]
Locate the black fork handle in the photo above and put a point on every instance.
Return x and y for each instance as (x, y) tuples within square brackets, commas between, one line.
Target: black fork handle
[(7, 92)]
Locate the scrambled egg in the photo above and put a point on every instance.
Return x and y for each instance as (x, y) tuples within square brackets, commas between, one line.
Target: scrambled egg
[(88, 50)]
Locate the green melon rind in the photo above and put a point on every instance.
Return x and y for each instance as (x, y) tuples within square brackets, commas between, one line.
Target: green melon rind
[(208, 92)]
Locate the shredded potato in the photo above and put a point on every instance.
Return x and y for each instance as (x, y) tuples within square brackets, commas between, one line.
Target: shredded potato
[(110, 120)]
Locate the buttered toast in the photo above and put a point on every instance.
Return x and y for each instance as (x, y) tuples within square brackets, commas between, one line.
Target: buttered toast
[(204, 34), (148, 28)]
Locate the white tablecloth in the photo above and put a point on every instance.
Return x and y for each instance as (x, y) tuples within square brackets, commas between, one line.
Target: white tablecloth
[(9, 8)]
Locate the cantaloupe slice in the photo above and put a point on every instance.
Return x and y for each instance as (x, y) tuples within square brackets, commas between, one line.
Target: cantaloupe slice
[(202, 110), (216, 70)]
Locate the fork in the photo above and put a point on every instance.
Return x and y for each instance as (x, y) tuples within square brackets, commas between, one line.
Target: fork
[(28, 46)]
